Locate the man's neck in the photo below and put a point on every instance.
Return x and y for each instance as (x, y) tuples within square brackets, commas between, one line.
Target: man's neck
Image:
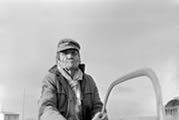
[(71, 72)]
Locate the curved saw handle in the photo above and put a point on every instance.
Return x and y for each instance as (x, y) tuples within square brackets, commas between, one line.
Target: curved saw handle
[(142, 72)]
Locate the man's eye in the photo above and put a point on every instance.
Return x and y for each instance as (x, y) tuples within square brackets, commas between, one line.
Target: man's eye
[(74, 52), (65, 52), (70, 52)]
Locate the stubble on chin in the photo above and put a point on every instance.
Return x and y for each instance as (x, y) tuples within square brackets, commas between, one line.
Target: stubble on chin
[(72, 65)]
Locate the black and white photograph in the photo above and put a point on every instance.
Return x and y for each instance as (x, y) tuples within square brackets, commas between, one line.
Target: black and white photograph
[(89, 59)]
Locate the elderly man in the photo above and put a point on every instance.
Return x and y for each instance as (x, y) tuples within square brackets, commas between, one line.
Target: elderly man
[(68, 93)]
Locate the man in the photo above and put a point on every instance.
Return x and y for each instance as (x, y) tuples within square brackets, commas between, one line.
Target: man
[(68, 93)]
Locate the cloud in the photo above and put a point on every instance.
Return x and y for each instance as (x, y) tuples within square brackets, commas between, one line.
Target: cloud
[(1, 96), (169, 75)]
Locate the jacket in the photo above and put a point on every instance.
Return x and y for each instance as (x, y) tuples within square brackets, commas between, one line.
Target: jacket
[(54, 100)]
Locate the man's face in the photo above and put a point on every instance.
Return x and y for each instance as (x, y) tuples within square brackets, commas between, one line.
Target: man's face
[(69, 59)]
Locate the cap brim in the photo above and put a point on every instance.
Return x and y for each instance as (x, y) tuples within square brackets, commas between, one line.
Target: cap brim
[(67, 47)]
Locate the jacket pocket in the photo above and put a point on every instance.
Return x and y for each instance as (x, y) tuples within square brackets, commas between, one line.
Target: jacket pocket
[(87, 99), (62, 102)]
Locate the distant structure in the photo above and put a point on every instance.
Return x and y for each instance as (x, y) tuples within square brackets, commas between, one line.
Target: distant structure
[(9, 116), (172, 109)]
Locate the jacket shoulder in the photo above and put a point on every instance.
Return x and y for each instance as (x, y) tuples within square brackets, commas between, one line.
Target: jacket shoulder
[(88, 77), (89, 81), (49, 79)]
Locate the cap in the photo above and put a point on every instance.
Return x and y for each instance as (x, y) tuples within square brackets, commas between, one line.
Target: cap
[(67, 43)]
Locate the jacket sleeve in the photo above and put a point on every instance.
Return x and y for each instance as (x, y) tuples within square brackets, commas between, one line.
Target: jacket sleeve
[(48, 100), (96, 101)]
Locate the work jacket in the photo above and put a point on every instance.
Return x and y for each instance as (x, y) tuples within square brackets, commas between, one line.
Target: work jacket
[(55, 98)]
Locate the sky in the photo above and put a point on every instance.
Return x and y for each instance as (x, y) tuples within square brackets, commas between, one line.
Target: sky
[(116, 37)]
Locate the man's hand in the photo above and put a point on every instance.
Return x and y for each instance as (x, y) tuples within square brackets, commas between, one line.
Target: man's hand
[(100, 116)]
